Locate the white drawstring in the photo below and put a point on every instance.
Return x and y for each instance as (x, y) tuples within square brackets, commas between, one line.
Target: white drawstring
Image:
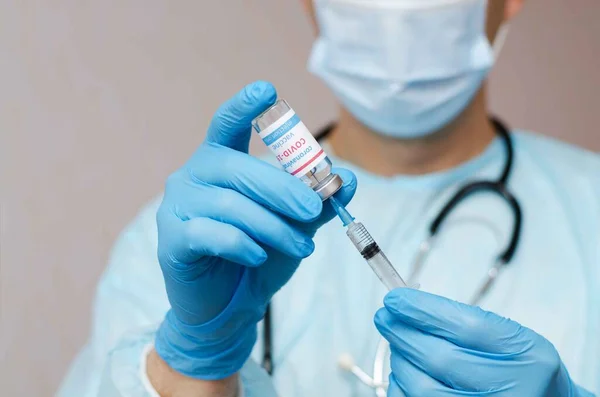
[(346, 362)]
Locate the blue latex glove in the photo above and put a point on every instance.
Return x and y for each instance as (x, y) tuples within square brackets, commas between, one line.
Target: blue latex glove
[(232, 229), (445, 348)]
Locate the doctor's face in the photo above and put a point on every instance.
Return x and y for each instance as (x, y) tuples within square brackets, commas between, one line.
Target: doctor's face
[(406, 68), (499, 11)]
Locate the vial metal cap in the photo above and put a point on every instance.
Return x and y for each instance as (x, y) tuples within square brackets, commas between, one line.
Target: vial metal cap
[(329, 186)]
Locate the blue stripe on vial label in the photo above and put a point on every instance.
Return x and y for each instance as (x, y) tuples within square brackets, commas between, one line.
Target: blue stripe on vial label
[(282, 130)]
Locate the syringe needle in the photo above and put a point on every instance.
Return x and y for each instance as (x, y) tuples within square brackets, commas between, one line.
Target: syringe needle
[(366, 245), (341, 211)]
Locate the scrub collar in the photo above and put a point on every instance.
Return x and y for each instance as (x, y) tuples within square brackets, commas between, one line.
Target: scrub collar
[(480, 165)]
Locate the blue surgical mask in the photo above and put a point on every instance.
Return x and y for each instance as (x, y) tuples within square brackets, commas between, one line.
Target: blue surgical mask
[(404, 68)]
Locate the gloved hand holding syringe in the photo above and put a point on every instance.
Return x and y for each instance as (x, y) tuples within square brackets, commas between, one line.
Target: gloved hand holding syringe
[(300, 154)]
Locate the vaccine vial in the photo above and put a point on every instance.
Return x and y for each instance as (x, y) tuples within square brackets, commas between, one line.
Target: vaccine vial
[(296, 149)]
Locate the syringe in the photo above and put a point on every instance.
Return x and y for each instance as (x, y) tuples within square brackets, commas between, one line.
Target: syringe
[(368, 248)]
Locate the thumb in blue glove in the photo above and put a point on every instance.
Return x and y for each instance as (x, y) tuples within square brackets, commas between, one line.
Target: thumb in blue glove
[(232, 230), (445, 348)]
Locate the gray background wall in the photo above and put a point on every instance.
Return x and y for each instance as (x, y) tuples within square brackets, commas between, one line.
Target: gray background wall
[(100, 100)]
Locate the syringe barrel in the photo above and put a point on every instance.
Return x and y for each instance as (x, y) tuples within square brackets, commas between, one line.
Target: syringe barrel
[(296, 149), (359, 236), (366, 245), (385, 271)]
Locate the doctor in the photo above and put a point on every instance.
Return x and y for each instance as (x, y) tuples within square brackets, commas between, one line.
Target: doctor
[(413, 128)]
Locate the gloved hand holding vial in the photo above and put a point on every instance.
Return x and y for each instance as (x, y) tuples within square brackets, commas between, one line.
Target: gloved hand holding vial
[(249, 223)]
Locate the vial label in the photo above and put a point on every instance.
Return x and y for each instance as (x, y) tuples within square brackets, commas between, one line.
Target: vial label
[(293, 144)]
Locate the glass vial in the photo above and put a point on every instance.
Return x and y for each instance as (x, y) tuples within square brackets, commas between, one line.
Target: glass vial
[(296, 149)]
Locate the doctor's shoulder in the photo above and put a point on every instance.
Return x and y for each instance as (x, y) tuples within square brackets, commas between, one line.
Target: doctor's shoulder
[(564, 162), (552, 170)]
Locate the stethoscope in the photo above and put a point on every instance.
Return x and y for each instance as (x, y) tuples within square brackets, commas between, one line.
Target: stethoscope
[(498, 187)]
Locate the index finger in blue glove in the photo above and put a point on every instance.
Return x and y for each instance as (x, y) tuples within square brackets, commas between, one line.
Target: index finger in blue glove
[(465, 325), (231, 124), (258, 180)]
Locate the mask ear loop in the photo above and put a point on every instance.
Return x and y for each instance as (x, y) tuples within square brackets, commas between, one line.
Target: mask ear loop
[(500, 39)]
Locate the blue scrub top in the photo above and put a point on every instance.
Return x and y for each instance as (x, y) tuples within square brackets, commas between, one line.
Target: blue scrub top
[(552, 285)]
